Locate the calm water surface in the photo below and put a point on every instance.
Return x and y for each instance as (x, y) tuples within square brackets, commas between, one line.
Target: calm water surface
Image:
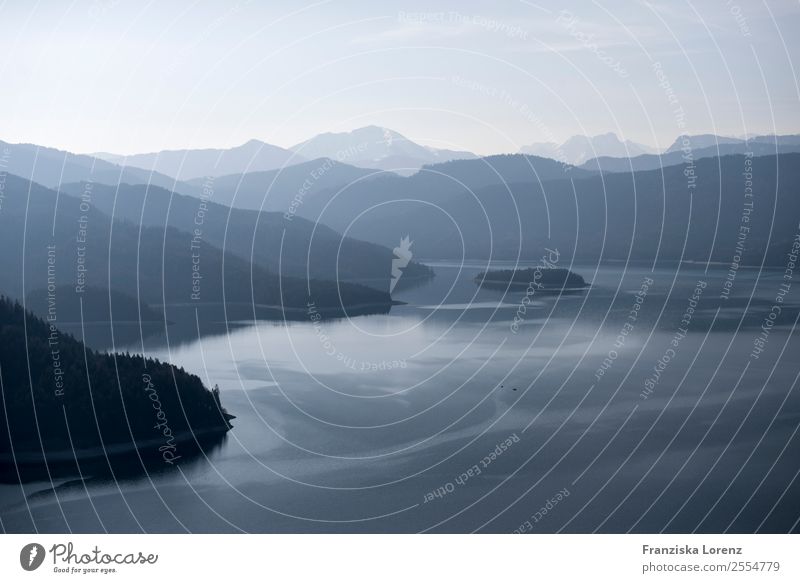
[(441, 416)]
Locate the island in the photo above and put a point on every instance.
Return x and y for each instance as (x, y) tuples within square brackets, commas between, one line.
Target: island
[(64, 403), (544, 279)]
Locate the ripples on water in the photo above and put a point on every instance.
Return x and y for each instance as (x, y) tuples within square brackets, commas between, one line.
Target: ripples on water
[(374, 423)]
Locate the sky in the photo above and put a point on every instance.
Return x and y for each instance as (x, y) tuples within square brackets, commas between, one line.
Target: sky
[(128, 77)]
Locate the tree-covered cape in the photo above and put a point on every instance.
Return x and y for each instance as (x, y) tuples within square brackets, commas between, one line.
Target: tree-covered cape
[(60, 396)]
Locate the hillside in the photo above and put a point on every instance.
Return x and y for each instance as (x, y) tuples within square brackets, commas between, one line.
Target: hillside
[(80, 246), (371, 202), (648, 216), (52, 167), (277, 190), (60, 397), (292, 247)]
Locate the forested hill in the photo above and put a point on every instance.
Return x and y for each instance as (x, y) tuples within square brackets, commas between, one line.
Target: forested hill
[(59, 396), (47, 238), (292, 247), (733, 209)]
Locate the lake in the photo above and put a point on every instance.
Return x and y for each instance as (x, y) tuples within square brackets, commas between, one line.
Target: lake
[(652, 401)]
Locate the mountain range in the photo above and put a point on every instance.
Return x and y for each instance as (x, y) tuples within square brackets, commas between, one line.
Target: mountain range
[(578, 149), (277, 190), (50, 239), (674, 157), (370, 147), (252, 156), (664, 215), (330, 221), (376, 147), (52, 167), (292, 248), (609, 153), (256, 172), (385, 196)]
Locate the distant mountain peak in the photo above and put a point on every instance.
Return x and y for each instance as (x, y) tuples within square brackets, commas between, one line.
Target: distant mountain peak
[(578, 149), (374, 146), (255, 142)]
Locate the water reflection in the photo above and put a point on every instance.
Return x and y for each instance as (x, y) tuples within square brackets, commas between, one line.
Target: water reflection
[(101, 469)]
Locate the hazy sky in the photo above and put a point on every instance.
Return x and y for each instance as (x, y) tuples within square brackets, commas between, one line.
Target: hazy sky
[(109, 75)]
